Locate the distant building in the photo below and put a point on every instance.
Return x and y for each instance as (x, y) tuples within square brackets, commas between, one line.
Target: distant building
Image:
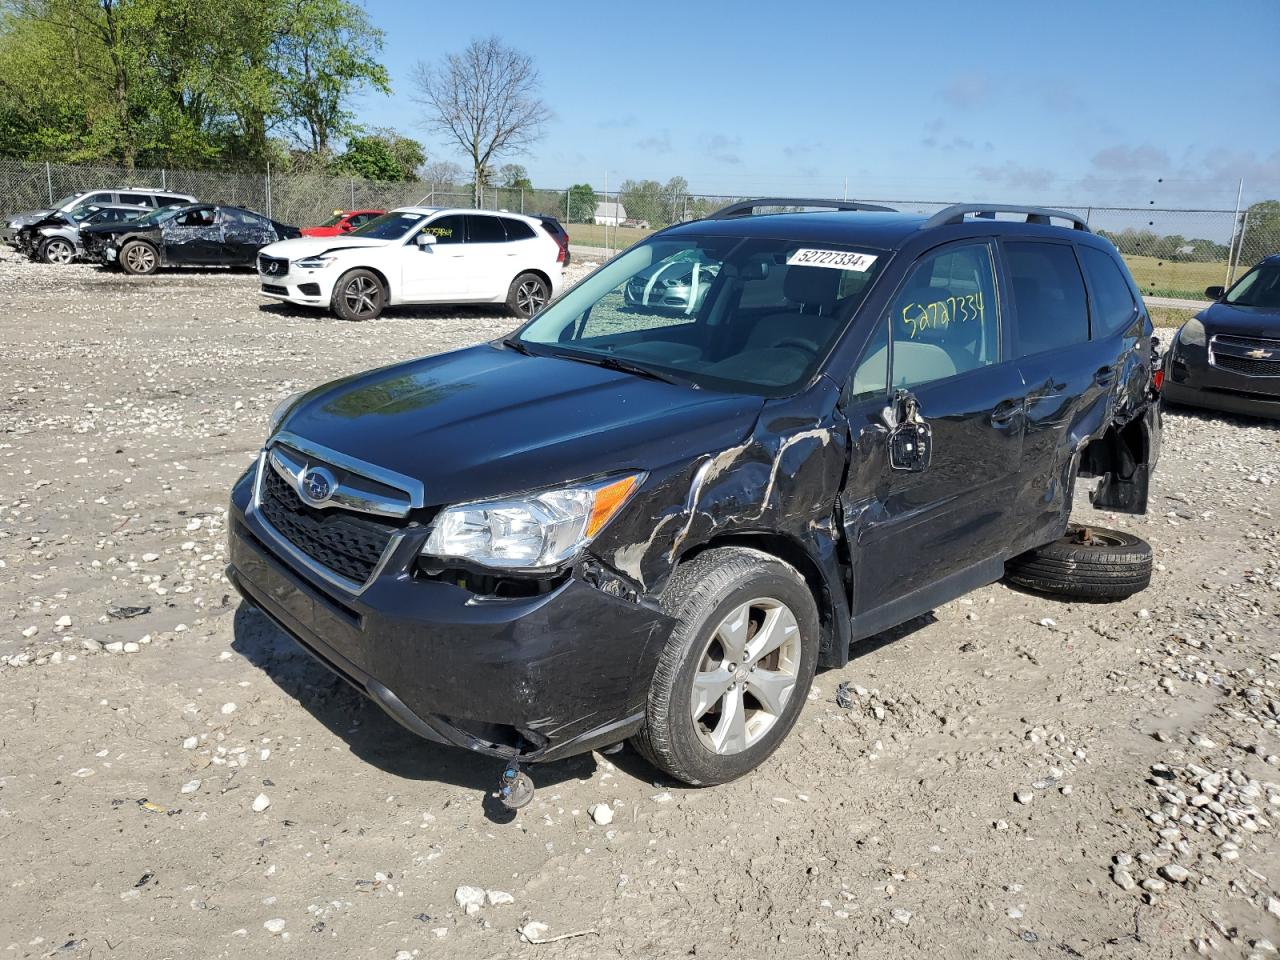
[(610, 214)]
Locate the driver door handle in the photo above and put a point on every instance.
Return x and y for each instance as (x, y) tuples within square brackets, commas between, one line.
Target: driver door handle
[(1105, 376)]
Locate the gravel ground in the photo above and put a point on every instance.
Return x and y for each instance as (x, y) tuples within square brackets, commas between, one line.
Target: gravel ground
[(1016, 777)]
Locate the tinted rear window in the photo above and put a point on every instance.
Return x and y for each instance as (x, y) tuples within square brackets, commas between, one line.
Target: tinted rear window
[(518, 230), (1048, 293), (1113, 304)]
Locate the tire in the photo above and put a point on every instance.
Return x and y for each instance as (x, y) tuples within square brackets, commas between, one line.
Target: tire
[(358, 295), (139, 258), (57, 250), (1089, 563), (719, 595), (527, 295)]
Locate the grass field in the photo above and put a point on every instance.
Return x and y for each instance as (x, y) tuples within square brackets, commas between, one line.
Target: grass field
[(1164, 278), (591, 235), (1170, 317)]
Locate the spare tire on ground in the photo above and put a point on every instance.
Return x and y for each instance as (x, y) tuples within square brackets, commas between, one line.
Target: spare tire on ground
[(1090, 563)]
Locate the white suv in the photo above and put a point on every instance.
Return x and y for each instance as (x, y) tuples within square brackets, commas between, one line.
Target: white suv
[(419, 255)]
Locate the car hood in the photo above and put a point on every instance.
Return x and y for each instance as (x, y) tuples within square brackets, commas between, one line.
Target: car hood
[(487, 421), (300, 247), (29, 216), (1241, 321)]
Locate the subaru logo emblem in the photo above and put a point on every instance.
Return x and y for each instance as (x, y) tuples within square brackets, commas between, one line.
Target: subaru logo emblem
[(317, 485)]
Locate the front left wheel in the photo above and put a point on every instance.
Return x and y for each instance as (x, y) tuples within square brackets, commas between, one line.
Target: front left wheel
[(735, 671), (57, 250), (359, 295), (139, 258)]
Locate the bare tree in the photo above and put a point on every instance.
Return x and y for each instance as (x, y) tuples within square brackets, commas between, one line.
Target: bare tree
[(485, 99)]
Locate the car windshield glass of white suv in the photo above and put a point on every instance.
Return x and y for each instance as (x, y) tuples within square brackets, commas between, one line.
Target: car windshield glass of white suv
[(1260, 287), (66, 201), (389, 226), (744, 315)]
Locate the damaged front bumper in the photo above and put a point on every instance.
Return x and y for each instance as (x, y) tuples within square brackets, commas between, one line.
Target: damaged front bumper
[(532, 678)]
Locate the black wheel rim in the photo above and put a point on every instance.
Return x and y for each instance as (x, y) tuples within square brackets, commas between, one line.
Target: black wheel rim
[(360, 296), (531, 296)]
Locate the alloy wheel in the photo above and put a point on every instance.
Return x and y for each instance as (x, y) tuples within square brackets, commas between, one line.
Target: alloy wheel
[(746, 675), (58, 251), (141, 259), (359, 296), (531, 296)]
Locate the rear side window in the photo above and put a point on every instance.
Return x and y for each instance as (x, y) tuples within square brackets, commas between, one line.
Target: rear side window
[(518, 230), (1048, 293), (944, 321), (485, 230), (97, 198), (141, 199), (165, 201), (1113, 305)]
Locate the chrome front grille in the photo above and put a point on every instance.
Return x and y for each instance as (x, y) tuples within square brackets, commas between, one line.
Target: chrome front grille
[(1247, 356), (347, 535)]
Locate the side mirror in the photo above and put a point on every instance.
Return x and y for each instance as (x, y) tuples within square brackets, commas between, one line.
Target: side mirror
[(1214, 293), (424, 240), (346, 227)]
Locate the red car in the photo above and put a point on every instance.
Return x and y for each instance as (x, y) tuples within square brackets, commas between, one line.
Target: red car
[(342, 221)]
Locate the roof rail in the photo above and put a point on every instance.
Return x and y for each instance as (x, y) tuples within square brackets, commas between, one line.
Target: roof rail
[(746, 208), (956, 214)]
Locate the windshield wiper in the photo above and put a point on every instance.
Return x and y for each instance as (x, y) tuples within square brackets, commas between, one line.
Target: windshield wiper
[(610, 362), (517, 346)]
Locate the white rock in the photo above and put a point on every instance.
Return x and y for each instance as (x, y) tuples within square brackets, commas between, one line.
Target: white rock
[(261, 802), (151, 558), (497, 898), (64, 621), (470, 899), (115, 646), (131, 647), (191, 786), (1175, 873), (190, 743), (30, 632), (275, 927), (899, 915), (601, 813), (228, 708), (1024, 796), (534, 930)]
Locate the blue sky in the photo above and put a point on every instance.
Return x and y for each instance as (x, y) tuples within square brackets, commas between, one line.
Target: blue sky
[(1080, 102)]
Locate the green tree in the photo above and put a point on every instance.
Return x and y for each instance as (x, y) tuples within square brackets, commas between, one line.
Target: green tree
[(1261, 232), (580, 204), (381, 155), (514, 176), (325, 53)]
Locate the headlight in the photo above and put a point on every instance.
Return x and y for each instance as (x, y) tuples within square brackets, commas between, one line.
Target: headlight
[(1192, 333), (530, 532), (277, 415), (315, 263)]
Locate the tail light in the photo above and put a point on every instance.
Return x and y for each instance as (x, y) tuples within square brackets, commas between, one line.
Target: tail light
[(1157, 379)]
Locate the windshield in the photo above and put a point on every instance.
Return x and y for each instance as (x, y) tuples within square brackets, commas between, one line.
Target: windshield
[(1260, 287), (160, 214), (67, 200), (390, 226), (747, 315), (83, 211), (334, 220)]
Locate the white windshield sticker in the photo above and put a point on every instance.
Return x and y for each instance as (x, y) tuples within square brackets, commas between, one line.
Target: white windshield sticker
[(836, 259)]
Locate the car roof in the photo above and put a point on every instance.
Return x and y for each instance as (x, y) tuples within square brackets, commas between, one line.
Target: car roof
[(430, 211), (884, 230)]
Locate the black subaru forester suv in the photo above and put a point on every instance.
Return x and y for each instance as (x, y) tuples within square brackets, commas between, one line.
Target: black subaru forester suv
[(632, 522)]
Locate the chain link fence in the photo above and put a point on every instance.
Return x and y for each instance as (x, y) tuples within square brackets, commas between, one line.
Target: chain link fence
[(1172, 253)]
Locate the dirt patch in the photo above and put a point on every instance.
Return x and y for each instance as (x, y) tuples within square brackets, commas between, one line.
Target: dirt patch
[(1014, 776)]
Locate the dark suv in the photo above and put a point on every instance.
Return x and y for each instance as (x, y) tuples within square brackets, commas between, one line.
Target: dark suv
[(624, 521)]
